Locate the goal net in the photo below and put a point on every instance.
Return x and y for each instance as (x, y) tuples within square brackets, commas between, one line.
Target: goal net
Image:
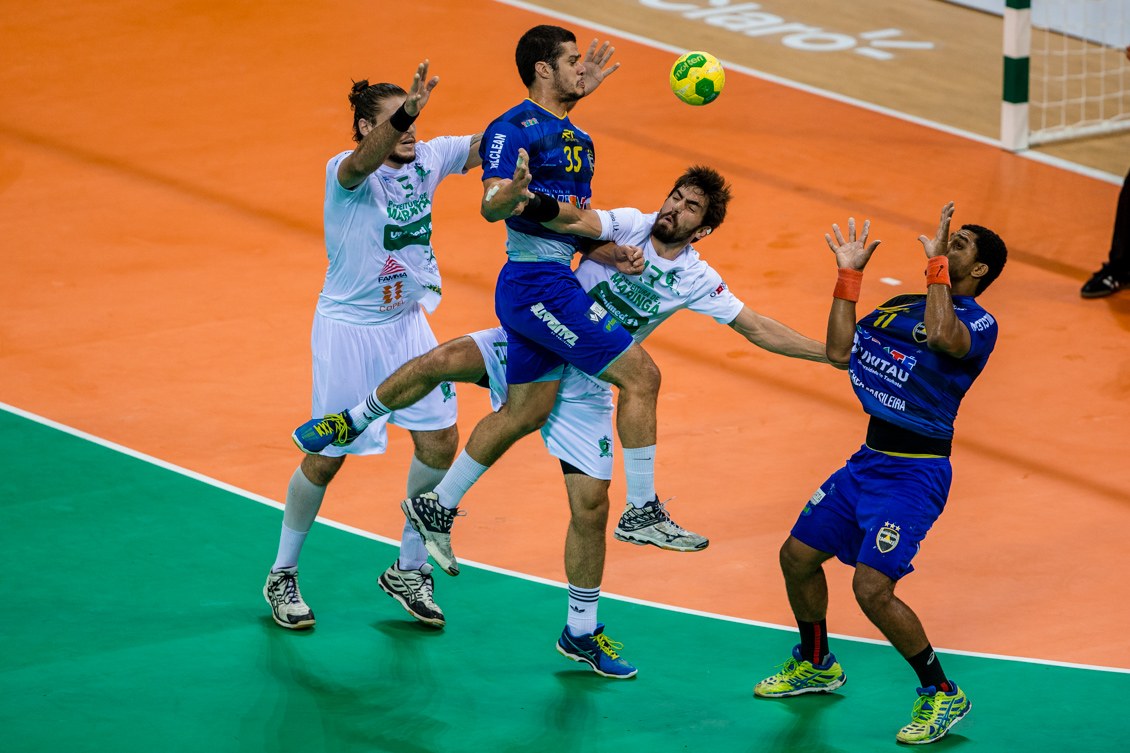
[(1066, 70)]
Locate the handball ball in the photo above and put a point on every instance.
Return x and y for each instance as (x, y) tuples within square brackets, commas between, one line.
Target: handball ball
[(697, 78)]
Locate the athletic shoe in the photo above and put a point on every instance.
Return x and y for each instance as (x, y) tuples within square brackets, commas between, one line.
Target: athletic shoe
[(651, 524), (287, 606), (319, 433), (798, 676), (598, 651), (935, 712), (413, 589), (433, 522), (1103, 283)]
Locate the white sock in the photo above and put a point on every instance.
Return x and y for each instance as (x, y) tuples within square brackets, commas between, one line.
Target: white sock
[(462, 475), (368, 411), (639, 472), (290, 545), (303, 500), (582, 609), (421, 478)]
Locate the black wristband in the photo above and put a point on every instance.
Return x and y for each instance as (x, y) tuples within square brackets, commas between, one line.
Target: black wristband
[(401, 120), (541, 208)]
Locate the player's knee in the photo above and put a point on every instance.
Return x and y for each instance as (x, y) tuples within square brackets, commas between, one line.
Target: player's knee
[(873, 591), (591, 518), (320, 470), (529, 416), (437, 449), (435, 366), (636, 373), (795, 561)]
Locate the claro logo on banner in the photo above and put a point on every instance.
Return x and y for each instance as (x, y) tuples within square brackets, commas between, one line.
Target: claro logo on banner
[(750, 20)]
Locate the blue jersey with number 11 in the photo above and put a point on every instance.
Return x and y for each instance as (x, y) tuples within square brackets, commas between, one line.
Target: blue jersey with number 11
[(561, 162), (899, 379)]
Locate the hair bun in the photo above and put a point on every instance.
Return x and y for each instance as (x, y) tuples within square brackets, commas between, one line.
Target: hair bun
[(358, 89)]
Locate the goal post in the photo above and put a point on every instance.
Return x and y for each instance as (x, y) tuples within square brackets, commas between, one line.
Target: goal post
[(1066, 75)]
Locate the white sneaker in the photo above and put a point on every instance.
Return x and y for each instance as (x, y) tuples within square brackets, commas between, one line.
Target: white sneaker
[(433, 522), (414, 590), (287, 607), (651, 524)]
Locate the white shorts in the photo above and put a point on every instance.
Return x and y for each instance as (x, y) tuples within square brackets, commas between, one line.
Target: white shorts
[(351, 360), (579, 430)]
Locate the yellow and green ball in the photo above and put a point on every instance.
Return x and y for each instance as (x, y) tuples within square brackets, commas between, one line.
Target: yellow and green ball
[(697, 78)]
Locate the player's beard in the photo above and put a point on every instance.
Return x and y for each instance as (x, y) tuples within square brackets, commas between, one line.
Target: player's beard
[(400, 159), (670, 233), (566, 94)]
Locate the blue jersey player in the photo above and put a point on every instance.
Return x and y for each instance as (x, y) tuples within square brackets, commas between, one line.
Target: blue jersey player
[(549, 319), (910, 361)]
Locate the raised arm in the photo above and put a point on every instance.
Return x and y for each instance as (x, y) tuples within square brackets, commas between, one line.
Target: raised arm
[(851, 257), (379, 139), (944, 331), (775, 337)]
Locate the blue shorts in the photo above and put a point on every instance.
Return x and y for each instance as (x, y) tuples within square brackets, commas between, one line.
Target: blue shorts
[(550, 321), (876, 510)]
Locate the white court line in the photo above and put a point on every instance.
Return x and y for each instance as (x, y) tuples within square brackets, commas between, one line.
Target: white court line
[(490, 568), (1046, 159)]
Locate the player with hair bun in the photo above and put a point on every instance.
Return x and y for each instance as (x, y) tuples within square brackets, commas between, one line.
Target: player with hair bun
[(370, 318)]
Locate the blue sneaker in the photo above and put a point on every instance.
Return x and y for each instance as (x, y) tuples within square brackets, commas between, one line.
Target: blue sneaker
[(319, 433), (598, 651)]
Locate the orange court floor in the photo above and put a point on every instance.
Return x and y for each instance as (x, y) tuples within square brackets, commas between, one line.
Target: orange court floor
[(161, 169)]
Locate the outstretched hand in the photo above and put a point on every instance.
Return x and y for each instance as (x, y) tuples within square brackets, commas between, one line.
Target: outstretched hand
[(851, 253), (938, 245), (514, 191), (420, 90), (595, 59)]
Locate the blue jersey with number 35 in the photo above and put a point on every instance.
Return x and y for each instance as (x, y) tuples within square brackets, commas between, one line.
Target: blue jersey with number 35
[(561, 162), (899, 379)]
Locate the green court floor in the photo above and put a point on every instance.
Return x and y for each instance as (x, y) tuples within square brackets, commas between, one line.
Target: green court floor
[(135, 622)]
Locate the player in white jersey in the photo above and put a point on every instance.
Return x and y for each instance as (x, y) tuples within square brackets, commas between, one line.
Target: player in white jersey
[(382, 277), (668, 276)]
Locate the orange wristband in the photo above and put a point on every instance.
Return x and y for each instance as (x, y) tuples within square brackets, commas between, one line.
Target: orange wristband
[(938, 271), (848, 283)]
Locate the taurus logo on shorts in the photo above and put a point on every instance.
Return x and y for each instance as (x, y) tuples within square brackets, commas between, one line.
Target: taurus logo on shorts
[(556, 327), (448, 391), (887, 538), (605, 445)]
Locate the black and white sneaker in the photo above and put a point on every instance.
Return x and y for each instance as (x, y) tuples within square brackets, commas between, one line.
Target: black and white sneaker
[(651, 524), (433, 522), (287, 607), (1103, 283), (414, 589)]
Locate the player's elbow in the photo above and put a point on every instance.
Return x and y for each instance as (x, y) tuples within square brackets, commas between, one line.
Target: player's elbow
[(838, 357)]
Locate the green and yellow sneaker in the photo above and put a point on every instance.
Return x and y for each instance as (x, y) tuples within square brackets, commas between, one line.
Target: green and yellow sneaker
[(935, 712), (799, 676)]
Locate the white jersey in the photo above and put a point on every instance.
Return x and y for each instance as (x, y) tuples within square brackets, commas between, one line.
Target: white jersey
[(579, 429), (378, 236), (641, 302)]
